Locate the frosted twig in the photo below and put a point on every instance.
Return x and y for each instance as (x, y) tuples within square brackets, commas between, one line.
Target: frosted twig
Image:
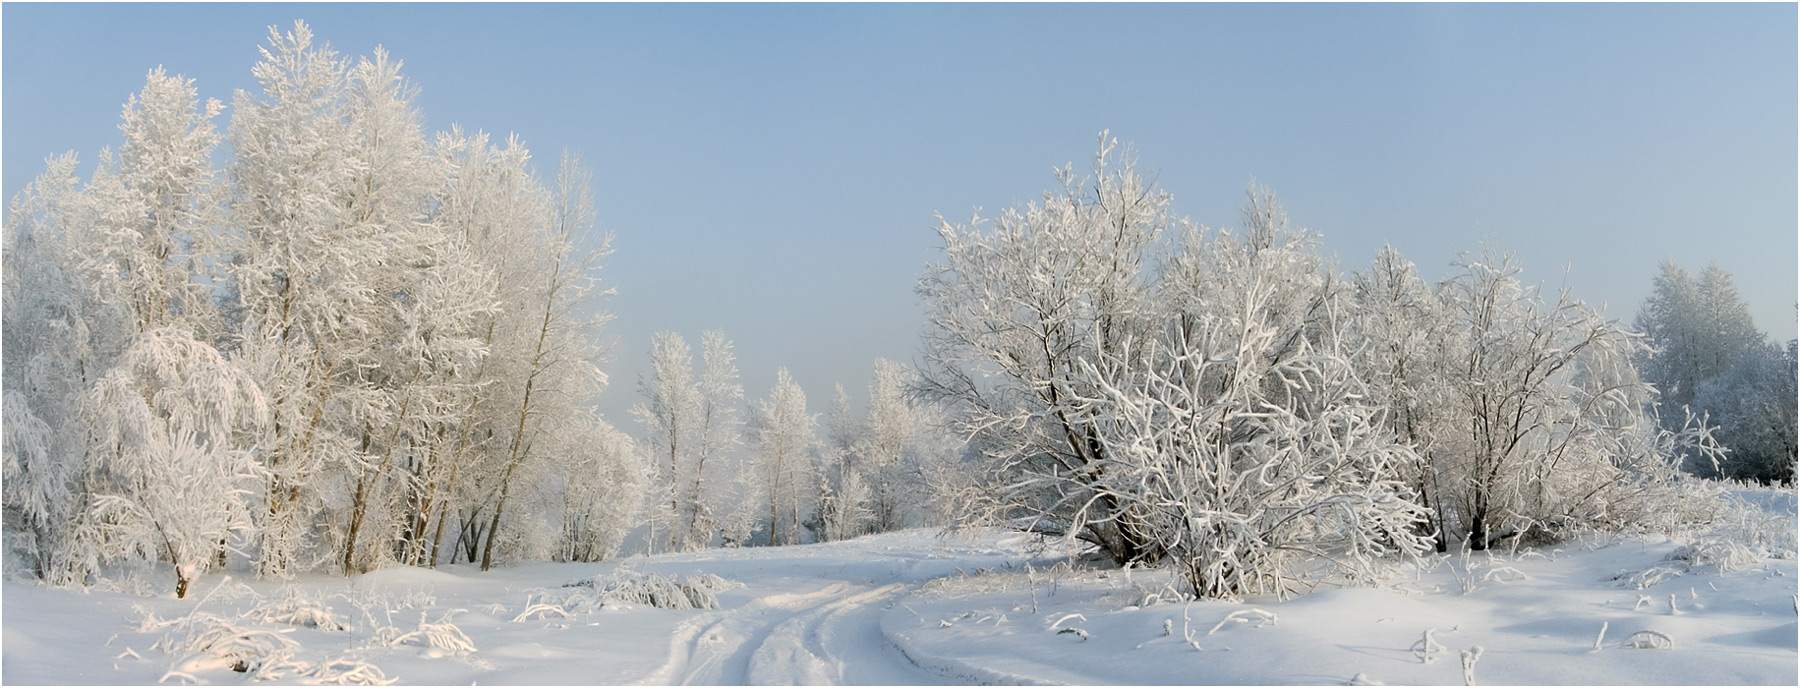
[(1425, 646), (1243, 616), (542, 611), (1499, 575), (1600, 638), (1066, 617), (1469, 658)]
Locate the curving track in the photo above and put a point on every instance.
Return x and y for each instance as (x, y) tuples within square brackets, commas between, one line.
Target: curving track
[(828, 636)]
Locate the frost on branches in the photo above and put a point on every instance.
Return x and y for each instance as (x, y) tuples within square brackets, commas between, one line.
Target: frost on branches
[(1530, 417), (1240, 440)]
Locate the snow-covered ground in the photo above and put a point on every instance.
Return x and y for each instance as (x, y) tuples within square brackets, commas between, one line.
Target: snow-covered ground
[(915, 608)]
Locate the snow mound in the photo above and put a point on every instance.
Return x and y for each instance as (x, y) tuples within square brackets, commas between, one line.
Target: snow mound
[(407, 576)]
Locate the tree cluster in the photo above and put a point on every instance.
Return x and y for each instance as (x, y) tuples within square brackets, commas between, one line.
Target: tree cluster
[(1707, 356), (866, 474), (1227, 402), (353, 344)]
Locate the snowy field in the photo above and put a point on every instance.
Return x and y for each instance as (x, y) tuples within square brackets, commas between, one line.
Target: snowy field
[(916, 608)]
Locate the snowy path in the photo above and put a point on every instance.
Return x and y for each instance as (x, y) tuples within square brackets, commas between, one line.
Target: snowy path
[(830, 636), (812, 614)]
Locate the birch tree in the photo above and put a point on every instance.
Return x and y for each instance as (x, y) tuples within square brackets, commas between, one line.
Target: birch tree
[(175, 478), (718, 431), (302, 273), (561, 356), (52, 357), (886, 449), (171, 419), (783, 433), (843, 492), (668, 413)]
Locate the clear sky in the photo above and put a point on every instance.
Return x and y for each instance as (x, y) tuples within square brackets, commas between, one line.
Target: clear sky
[(772, 170)]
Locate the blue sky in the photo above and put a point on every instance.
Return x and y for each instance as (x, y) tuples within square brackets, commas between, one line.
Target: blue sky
[(772, 170)]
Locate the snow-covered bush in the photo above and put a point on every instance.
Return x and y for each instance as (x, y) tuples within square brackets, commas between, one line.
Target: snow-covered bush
[(296, 611), (627, 586), (206, 642), (1194, 402), (1013, 306), (440, 635), (1240, 441), (1529, 415)]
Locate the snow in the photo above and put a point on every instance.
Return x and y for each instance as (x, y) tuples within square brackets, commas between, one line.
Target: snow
[(915, 608)]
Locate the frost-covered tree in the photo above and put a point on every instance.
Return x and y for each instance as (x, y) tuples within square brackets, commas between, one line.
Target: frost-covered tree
[(1704, 346), (171, 420), (668, 414), (54, 345), (303, 274), (560, 358), (603, 490), (156, 210), (692, 423), (1754, 405), (173, 475), (1014, 307), (1696, 329), (431, 297), (889, 438), (783, 433), (1399, 322), (843, 493), (718, 430), (492, 207)]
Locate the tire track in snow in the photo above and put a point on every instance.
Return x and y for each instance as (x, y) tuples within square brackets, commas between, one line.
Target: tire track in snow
[(829, 636), (838, 643)]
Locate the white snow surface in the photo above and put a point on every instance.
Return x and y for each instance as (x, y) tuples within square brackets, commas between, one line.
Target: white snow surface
[(915, 608)]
